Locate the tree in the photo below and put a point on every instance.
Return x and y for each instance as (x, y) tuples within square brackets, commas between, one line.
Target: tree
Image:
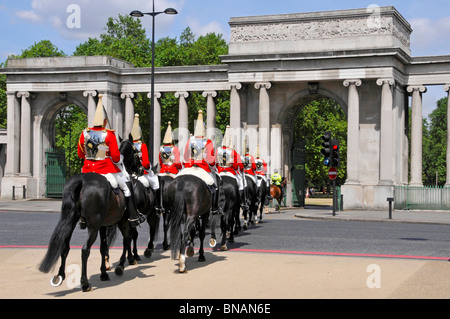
[(435, 145), (311, 122), (43, 48)]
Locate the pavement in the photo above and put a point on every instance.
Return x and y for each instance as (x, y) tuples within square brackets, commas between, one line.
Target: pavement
[(234, 275), (309, 212)]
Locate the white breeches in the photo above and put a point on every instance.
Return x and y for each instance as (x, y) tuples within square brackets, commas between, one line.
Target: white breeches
[(239, 179), (118, 180), (150, 180)]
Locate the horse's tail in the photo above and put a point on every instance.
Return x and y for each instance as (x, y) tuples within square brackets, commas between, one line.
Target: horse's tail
[(176, 219), (66, 224)]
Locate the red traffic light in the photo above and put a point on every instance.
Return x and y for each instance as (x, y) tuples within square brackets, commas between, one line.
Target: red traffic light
[(335, 147)]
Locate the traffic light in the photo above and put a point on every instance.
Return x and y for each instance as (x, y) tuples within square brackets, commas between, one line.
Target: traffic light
[(326, 148), (335, 153)]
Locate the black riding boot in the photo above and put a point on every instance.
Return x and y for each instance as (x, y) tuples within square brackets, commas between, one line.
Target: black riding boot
[(215, 200), (268, 196), (135, 217), (244, 204), (158, 201)]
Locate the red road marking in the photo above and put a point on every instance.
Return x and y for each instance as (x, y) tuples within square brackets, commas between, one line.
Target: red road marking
[(273, 251)]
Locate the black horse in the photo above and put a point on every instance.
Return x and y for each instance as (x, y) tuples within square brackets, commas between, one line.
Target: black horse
[(144, 198), (164, 182), (91, 198), (262, 195), (252, 198), (191, 204), (231, 210)]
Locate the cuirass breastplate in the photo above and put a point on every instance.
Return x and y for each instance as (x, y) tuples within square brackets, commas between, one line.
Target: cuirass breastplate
[(167, 156), (225, 157), (259, 165), (95, 145), (197, 146)]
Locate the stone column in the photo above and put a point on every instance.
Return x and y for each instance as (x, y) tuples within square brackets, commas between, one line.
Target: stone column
[(25, 134), (13, 129), (210, 114), (183, 128), (129, 113), (235, 115), (156, 126), (264, 119), (353, 131), (447, 89), (416, 134), (91, 106), (386, 132)]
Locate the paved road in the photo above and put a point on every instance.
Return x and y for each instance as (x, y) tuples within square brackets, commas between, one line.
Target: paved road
[(234, 275)]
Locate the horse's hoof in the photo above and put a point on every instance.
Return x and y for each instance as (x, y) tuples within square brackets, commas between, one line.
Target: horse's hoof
[(224, 247), (212, 243), (137, 258), (104, 277), (182, 271), (56, 281), (119, 270), (87, 288), (190, 251), (148, 253), (132, 262), (201, 258)]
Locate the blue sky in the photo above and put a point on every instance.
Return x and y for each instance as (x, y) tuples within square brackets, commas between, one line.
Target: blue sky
[(24, 22)]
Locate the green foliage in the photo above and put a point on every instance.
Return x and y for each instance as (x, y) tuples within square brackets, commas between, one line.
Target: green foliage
[(44, 48), (435, 145), (311, 122)]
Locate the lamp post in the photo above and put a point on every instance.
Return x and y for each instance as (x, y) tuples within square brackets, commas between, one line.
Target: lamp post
[(139, 14)]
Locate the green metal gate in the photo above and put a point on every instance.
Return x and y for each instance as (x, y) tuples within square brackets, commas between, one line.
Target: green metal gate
[(298, 173), (55, 173)]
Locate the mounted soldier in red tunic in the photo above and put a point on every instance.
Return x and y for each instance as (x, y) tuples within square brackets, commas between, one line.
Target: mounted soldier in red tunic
[(228, 162), (149, 179), (98, 147), (261, 174), (199, 153), (169, 155)]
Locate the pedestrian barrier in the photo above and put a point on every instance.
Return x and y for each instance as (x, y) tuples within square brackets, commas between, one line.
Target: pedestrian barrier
[(422, 197)]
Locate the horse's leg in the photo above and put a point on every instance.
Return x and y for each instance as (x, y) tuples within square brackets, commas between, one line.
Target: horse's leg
[(165, 229), (104, 252), (135, 250), (85, 252), (224, 229), (245, 213), (201, 236), (152, 231), (59, 278), (125, 229)]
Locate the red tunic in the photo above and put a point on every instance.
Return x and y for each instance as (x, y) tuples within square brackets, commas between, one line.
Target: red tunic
[(144, 156), (252, 168), (173, 168), (207, 160), (106, 165), (233, 167)]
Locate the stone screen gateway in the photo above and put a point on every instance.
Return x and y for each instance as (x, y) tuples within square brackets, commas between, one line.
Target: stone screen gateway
[(276, 65)]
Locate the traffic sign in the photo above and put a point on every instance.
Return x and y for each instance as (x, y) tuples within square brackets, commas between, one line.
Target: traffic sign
[(332, 173)]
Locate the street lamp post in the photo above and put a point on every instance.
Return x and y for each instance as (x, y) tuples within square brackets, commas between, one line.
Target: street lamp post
[(139, 14)]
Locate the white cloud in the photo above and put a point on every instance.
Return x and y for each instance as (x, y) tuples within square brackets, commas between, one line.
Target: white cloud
[(212, 27), (430, 37), (92, 14)]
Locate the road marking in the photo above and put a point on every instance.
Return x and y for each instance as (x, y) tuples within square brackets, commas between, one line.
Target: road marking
[(271, 251)]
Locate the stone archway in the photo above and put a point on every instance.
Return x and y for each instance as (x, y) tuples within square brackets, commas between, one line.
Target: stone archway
[(288, 115)]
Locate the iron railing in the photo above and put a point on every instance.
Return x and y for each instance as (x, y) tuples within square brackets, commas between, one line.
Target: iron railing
[(422, 197)]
